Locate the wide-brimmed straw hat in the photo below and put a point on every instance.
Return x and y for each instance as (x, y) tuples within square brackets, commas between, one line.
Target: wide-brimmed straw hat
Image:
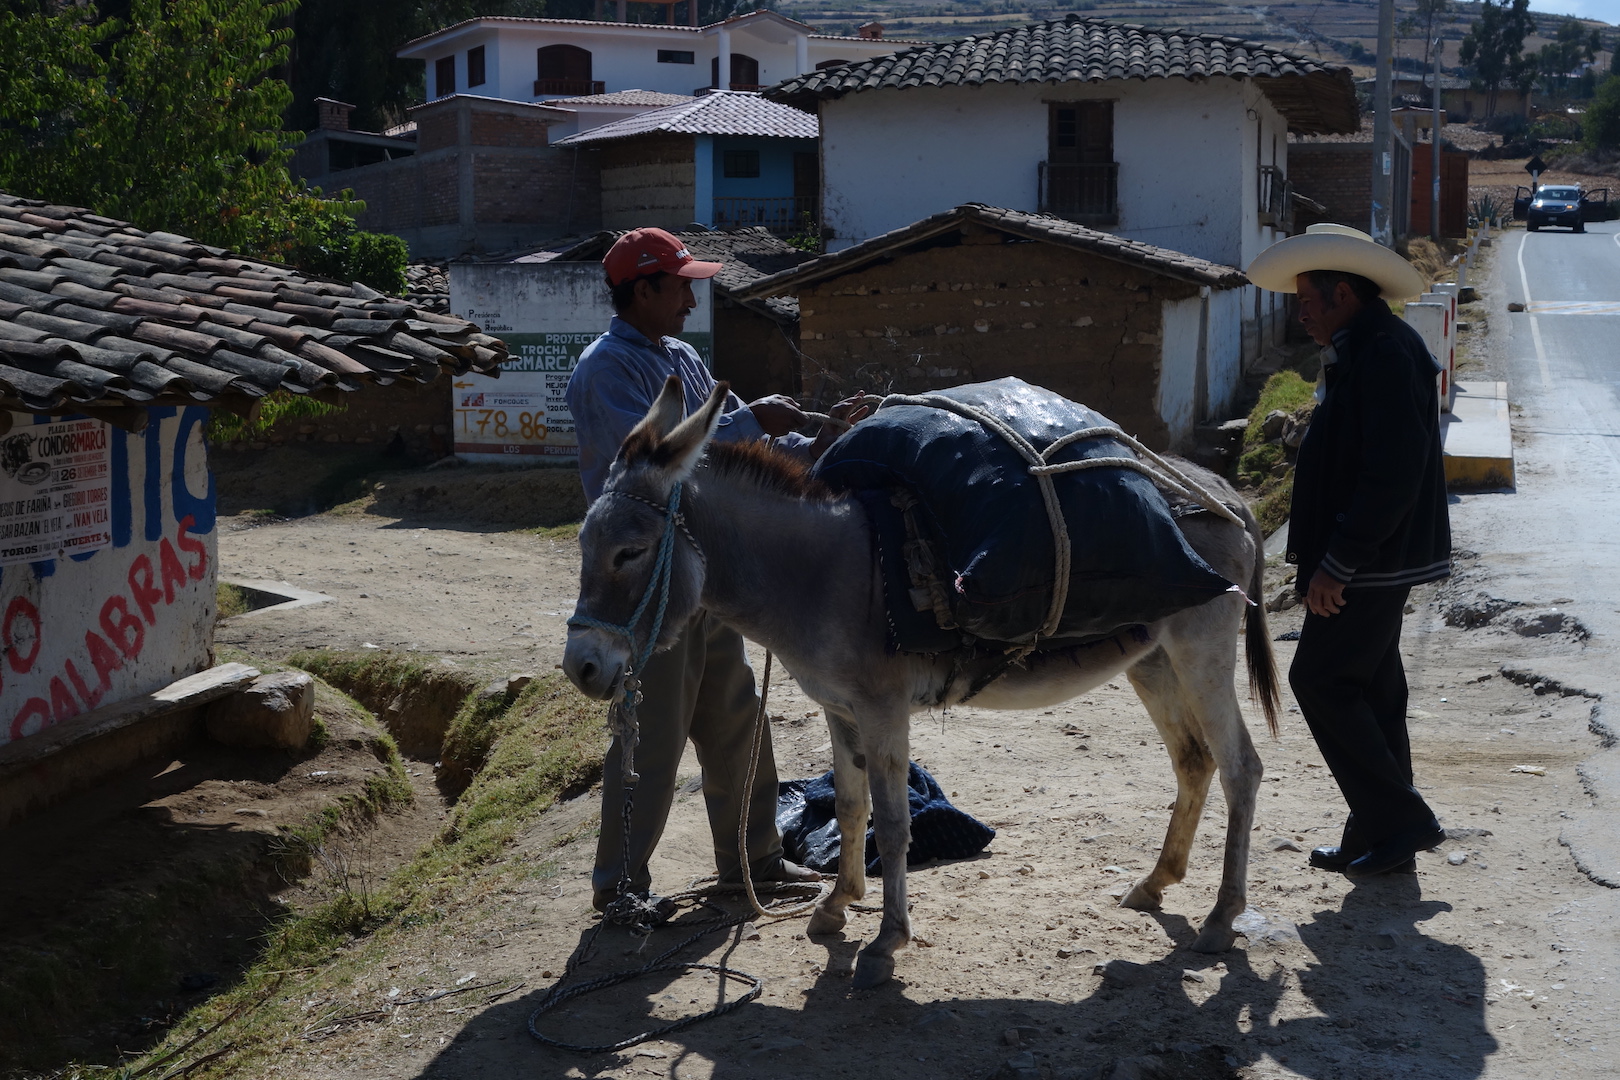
[(1336, 247)]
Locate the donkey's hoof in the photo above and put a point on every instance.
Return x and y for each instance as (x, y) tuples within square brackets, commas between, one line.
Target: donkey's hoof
[(1142, 898), (1214, 939), (872, 970), (825, 921)]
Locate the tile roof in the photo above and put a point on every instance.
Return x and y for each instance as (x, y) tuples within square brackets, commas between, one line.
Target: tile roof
[(651, 99), (723, 112), (1014, 222), (748, 255), (1313, 96), (97, 313)]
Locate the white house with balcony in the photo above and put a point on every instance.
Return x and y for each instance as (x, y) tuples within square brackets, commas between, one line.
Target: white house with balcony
[(537, 60), (1171, 138)]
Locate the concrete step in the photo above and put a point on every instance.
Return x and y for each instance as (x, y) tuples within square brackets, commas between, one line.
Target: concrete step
[(1478, 437)]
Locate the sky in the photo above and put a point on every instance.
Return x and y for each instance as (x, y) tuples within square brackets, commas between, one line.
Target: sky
[(1607, 10)]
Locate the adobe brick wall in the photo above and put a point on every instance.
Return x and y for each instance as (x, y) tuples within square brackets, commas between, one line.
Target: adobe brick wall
[(1079, 324), (419, 413), (754, 352), (648, 181), (1337, 175)]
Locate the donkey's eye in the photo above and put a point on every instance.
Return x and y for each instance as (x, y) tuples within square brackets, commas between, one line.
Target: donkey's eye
[(626, 555)]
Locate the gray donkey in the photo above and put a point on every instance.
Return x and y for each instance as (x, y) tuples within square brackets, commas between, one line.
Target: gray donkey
[(788, 563)]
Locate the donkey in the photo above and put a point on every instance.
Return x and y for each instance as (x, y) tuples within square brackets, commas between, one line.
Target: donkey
[(788, 563)]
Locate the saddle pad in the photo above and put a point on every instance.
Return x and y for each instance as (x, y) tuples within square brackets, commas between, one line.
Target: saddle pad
[(980, 560)]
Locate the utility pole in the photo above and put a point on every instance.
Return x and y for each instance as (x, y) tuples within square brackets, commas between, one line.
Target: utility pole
[(1383, 179), (1434, 137)]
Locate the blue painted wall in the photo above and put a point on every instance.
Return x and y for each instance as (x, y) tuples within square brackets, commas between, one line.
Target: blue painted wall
[(775, 178)]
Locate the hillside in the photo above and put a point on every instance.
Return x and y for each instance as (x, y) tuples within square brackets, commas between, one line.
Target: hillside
[(1336, 30)]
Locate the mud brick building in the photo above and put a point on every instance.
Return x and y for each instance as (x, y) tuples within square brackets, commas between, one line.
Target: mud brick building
[(115, 345), (1145, 335)]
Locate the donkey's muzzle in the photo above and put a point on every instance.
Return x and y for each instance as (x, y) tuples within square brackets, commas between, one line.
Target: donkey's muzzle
[(593, 669)]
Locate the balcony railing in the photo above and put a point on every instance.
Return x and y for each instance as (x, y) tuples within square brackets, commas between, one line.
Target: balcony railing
[(1276, 199), (1088, 194), (783, 216), (571, 87)]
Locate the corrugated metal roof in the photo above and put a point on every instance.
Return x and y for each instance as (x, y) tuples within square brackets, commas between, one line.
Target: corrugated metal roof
[(95, 312), (1043, 227), (1313, 95), (723, 112)]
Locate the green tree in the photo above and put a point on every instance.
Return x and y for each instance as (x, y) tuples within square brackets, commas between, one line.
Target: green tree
[(1600, 127), (1561, 56), (1494, 45), (170, 117)]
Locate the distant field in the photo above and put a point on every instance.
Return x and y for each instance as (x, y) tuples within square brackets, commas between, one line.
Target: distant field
[(1322, 28)]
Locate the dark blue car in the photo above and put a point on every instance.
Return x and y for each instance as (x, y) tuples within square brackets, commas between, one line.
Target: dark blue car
[(1555, 204)]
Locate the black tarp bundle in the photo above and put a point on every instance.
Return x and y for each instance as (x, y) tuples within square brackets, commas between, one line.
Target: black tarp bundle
[(806, 816), (974, 564)]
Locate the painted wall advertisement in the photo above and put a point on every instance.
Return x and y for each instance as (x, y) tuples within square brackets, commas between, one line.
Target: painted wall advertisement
[(107, 562), (547, 313)]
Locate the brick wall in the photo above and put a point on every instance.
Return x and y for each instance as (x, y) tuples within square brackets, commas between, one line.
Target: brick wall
[(419, 414), (1337, 175), (648, 181), (436, 130), (754, 352), (496, 129), (1084, 326)]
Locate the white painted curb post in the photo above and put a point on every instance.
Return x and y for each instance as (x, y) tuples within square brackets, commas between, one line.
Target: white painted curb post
[(1429, 320), (1447, 294)]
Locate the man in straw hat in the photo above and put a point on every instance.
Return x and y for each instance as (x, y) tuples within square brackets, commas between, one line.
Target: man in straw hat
[(1368, 522), (701, 687)]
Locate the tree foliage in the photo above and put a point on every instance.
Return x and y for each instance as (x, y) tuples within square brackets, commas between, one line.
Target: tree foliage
[(1558, 60), (1600, 126), (168, 116), (1494, 45)]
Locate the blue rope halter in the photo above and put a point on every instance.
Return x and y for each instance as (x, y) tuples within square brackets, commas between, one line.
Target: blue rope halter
[(662, 577)]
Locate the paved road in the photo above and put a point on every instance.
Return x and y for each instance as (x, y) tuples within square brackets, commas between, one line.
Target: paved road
[(1558, 537)]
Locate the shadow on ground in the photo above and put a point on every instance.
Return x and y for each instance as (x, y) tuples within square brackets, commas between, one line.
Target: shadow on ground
[(1417, 1010)]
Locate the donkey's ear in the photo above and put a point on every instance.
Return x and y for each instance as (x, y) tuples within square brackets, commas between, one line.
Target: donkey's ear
[(678, 454), (642, 442)]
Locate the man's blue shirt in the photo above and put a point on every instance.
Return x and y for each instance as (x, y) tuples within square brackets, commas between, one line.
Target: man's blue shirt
[(618, 378)]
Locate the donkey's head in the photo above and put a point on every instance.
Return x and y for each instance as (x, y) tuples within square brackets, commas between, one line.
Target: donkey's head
[(622, 545)]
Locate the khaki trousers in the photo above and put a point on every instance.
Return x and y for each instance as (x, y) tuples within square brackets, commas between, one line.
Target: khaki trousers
[(700, 689)]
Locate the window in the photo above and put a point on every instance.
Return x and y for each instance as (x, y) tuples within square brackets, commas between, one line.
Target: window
[(475, 66), (744, 73), (1079, 179), (564, 69), (740, 164), (676, 56), (444, 77)]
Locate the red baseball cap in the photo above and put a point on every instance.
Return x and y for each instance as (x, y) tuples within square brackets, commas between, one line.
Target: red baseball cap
[(641, 252)]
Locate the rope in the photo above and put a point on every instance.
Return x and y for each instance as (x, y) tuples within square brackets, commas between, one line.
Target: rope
[(1042, 469)]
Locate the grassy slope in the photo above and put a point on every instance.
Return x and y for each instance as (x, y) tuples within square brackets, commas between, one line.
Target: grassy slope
[(545, 745), (1290, 393)]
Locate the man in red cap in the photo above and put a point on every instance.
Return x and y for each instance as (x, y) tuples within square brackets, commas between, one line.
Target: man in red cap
[(702, 687)]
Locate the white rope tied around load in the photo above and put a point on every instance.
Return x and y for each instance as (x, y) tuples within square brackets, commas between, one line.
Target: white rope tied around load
[(1042, 469)]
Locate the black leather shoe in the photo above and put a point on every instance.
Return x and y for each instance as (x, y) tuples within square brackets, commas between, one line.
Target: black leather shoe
[(1351, 847), (1335, 858), (1393, 854)]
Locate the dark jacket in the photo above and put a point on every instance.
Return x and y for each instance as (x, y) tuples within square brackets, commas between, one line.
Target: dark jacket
[(1370, 485)]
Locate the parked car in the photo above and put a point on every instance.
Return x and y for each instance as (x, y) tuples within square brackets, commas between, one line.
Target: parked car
[(1555, 204)]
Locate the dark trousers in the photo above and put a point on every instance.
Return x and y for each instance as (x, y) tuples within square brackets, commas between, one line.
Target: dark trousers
[(1348, 680), (702, 689)]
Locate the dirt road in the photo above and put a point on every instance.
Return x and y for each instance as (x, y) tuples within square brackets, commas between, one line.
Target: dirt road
[(1491, 962)]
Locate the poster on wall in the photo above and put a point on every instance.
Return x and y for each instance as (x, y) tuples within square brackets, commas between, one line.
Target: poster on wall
[(547, 313), (54, 486)]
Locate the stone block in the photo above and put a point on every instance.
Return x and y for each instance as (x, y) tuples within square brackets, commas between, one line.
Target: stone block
[(274, 712)]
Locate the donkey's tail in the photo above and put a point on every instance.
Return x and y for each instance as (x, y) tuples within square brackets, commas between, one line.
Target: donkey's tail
[(1256, 638)]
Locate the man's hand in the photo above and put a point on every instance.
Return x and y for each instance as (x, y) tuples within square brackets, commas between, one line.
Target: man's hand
[(850, 410), (1325, 595), (777, 415)]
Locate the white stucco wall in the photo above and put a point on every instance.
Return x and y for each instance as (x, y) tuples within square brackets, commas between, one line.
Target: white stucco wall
[(103, 625), (1178, 368), (1187, 152), (626, 58)]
